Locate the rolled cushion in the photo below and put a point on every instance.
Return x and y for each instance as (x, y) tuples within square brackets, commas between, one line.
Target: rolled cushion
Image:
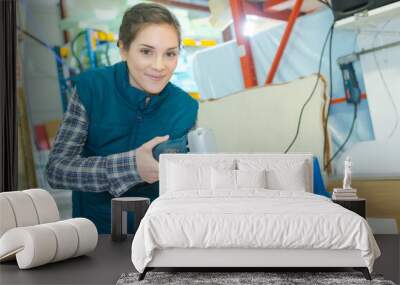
[(7, 218), (26, 208), (46, 207), (23, 208), (67, 240), (33, 246), (40, 244), (87, 234)]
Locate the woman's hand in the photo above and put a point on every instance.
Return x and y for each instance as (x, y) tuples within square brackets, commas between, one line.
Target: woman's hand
[(146, 164)]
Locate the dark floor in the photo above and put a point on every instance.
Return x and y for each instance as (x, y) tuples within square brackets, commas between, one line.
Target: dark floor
[(106, 264), (102, 266), (389, 262)]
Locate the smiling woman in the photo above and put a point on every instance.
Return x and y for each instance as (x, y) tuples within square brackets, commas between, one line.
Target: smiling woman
[(149, 42), (152, 57), (118, 114)]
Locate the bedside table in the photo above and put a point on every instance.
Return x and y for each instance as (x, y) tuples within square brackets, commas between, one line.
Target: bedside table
[(119, 208), (358, 206)]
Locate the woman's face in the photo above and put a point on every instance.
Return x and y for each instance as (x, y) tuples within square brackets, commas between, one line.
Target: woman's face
[(152, 57)]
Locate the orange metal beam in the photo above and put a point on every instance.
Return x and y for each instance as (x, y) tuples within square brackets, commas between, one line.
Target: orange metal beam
[(271, 3), (251, 8), (343, 99), (257, 9), (278, 15), (292, 19), (246, 58)]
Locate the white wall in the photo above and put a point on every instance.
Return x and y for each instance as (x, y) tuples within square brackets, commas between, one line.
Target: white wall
[(264, 119), (381, 71), (40, 18)]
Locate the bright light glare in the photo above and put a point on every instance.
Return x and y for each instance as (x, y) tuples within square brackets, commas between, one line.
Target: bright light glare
[(249, 28)]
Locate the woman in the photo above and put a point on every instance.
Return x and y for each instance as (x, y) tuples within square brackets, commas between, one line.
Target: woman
[(118, 114)]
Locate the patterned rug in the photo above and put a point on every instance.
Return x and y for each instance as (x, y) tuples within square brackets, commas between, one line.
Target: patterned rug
[(243, 278)]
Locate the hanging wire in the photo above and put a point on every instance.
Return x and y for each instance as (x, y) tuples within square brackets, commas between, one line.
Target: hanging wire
[(330, 31), (44, 44)]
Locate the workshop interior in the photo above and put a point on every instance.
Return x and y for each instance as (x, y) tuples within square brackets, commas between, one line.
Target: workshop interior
[(282, 162)]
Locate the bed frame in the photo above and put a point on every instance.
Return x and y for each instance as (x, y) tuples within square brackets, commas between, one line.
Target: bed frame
[(245, 259), (249, 258)]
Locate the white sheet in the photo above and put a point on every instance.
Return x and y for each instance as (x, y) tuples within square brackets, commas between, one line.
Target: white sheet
[(251, 218)]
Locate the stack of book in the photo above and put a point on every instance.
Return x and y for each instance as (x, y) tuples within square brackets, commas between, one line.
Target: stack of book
[(344, 194)]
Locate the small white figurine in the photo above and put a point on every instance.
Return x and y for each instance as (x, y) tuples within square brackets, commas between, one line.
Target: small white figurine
[(347, 173)]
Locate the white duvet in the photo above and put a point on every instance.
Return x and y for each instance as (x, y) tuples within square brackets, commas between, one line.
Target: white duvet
[(250, 219)]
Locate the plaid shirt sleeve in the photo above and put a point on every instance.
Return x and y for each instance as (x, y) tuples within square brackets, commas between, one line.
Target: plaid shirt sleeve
[(66, 169)]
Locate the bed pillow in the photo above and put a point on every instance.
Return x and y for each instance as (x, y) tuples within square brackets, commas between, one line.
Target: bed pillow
[(281, 174), (293, 179), (237, 179), (183, 177), (223, 179), (186, 174), (251, 178)]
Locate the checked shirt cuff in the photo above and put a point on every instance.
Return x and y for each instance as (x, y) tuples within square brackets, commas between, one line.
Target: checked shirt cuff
[(122, 172)]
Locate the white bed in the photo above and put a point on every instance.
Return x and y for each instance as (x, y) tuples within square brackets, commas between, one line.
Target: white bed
[(202, 220)]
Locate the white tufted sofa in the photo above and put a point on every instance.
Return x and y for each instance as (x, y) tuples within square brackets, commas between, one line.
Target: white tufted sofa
[(31, 231)]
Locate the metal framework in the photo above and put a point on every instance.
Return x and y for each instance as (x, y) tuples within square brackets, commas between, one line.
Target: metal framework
[(285, 38), (246, 57), (239, 10)]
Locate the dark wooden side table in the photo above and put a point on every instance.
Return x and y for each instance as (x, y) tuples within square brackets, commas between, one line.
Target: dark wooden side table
[(119, 208), (357, 205)]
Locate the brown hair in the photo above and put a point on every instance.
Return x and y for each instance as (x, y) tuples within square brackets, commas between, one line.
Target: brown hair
[(139, 16)]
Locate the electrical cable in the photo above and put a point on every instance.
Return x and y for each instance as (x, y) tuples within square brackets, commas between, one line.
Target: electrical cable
[(73, 52), (26, 33), (35, 38), (57, 57), (330, 94), (347, 138), (356, 107), (326, 165), (107, 49), (330, 31), (75, 55), (325, 3), (330, 105)]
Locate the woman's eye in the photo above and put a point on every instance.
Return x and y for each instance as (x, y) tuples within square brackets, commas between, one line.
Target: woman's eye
[(171, 54), (146, 51)]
